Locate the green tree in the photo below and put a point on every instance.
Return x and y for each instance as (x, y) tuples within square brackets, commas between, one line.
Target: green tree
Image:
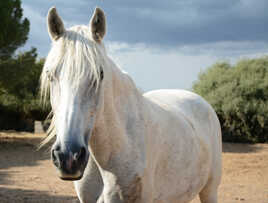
[(19, 74), (14, 29), (19, 91), (239, 95)]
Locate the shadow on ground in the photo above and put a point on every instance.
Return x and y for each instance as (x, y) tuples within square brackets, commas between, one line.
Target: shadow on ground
[(17, 152), (8, 195), (240, 148)]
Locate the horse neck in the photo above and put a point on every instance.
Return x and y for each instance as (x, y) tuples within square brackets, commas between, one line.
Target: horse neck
[(122, 108), (121, 97)]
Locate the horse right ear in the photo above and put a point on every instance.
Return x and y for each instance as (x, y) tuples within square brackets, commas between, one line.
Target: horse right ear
[(54, 24)]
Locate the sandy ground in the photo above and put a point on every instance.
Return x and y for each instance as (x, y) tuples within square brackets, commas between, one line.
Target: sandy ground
[(27, 175)]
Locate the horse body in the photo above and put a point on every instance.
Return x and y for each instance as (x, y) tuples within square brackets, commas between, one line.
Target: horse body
[(164, 145), (118, 144)]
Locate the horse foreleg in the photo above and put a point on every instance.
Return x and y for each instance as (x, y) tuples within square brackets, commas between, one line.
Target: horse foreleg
[(90, 187), (112, 192)]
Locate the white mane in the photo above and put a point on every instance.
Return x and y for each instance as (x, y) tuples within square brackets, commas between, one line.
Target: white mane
[(73, 56)]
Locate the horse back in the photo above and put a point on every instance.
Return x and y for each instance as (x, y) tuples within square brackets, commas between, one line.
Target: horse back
[(191, 108)]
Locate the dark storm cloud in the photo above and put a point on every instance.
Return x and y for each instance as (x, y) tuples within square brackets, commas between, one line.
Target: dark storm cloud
[(176, 22), (170, 23)]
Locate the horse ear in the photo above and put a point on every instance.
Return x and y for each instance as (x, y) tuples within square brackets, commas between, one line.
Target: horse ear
[(98, 25), (54, 24)]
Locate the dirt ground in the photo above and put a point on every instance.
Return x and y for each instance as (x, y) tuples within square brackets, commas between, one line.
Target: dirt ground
[(27, 175)]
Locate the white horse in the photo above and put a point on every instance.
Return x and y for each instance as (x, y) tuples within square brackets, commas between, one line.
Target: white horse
[(118, 144)]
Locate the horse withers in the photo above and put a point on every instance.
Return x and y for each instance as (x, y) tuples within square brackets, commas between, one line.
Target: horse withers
[(115, 143)]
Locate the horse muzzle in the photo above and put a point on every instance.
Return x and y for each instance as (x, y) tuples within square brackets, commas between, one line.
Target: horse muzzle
[(71, 161)]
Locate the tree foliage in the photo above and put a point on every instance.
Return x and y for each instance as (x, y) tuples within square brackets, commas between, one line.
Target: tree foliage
[(239, 95), (19, 93), (14, 29), (19, 74)]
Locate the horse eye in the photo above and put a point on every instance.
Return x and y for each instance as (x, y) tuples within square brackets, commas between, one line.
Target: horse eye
[(101, 77), (101, 73), (49, 76)]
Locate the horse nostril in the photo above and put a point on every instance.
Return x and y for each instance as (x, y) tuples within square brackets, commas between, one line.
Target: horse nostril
[(54, 158), (53, 154), (83, 153), (80, 155), (56, 155), (57, 148)]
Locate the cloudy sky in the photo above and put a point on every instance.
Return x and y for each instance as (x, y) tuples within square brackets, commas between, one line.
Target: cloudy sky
[(163, 44)]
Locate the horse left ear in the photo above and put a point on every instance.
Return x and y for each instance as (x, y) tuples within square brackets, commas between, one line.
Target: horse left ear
[(54, 24), (98, 25)]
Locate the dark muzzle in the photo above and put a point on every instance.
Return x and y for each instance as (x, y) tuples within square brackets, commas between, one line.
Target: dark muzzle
[(70, 160)]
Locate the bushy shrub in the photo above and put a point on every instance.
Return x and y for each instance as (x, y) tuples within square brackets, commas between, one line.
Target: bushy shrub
[(19, 73), (19, 92), (239, 95)]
